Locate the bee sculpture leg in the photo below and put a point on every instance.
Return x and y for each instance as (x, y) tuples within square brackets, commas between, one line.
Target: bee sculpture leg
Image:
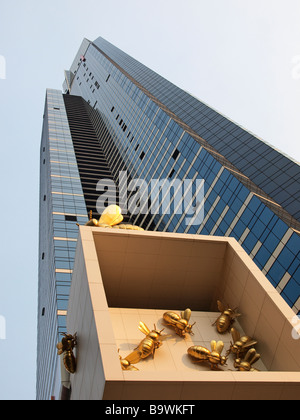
[(180, 332), (213, 366), (228, 352), (198, 361), (156, 347), (177, 331)]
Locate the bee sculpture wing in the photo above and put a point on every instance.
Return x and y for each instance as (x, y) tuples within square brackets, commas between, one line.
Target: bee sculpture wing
[(164, 336), (112, 215), (235, 335), (254, 358), (186, 314), (219, 347), (213, 345), (251, 356), (249, 344), (134, 357), (143, 327), (221, 307), (131, 367), (59, 347)]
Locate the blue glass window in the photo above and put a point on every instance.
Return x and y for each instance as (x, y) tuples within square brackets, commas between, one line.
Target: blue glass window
[(271, 242), (262, 257), (276, 273), (250, 242), (291, 291)]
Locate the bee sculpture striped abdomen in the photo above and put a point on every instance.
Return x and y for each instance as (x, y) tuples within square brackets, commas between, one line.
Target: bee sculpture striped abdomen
[(213, 357), (179, 322), (66, 346), (225, 320), (70, 361), (199, 352), (147, 347)]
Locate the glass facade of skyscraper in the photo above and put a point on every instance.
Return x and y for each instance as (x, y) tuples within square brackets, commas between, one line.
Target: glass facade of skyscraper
[(251, 189), (149, 129), (61, 206)]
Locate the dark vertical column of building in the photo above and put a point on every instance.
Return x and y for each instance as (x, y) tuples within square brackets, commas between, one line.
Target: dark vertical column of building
[(89, 132), (117, 164), (92, 163)]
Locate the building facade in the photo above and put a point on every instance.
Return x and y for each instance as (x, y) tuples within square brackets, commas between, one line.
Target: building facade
[(119, 123), (62, 205)]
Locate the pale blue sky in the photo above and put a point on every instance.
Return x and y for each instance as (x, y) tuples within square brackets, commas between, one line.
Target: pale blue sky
[(242, 57)]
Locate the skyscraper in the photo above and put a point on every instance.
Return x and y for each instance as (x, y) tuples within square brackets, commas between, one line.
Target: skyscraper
[(118, 120)]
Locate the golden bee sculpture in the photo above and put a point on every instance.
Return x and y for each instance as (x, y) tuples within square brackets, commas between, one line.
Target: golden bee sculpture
[(213, 357), (147, 346), (66, 346), (240, 345), (111, 218), (245, 363), (226, 319), (179, 322)]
